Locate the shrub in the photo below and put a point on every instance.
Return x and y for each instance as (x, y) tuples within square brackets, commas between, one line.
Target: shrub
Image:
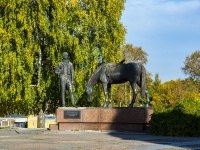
[(182, 120)]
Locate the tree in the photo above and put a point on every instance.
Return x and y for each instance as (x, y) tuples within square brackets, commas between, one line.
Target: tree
[(16, 62), (35, 33), (99, 39), (157, 95), (136, 54), (192, 65), (168, 94)]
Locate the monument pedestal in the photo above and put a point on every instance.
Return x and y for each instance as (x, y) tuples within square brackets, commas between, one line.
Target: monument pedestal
[(99, 118)]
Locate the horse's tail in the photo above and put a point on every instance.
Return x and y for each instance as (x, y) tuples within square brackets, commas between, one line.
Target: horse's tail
[(143, 81)]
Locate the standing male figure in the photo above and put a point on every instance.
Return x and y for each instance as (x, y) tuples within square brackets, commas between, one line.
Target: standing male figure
[(65, 71)]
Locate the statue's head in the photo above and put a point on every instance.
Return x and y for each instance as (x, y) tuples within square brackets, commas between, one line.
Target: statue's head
[(65, 55)]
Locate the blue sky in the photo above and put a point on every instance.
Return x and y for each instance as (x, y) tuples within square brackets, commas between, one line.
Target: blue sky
[(168, 30)]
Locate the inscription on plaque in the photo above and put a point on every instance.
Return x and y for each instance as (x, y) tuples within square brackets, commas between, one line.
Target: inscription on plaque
[(72, 114)]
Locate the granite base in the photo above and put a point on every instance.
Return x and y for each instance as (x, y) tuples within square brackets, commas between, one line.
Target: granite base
[(99, 118)]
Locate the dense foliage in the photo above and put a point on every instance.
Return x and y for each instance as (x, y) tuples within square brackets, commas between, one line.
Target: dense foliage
[(182, 120), (168, 94), (34, 33)]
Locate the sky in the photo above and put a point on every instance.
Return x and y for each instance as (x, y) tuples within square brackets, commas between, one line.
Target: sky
[(167, 30)]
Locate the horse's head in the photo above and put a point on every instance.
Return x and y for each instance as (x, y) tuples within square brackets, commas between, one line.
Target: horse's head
[(91, 82), (89, 92)]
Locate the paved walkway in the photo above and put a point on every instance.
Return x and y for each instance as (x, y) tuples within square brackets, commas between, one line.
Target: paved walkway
[(42, 139)]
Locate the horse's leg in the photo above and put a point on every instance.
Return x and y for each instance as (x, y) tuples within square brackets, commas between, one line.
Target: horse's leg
[(109, 95), (134, 88), (105, 89)]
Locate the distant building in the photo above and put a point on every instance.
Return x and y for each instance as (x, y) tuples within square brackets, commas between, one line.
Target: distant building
[(25, 122), (49, 119), (14, 120)]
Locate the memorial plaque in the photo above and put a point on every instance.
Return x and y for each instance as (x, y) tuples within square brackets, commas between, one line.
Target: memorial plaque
[(72, 114)]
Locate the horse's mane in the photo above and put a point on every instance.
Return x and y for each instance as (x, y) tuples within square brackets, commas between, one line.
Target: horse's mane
[(94, 75)]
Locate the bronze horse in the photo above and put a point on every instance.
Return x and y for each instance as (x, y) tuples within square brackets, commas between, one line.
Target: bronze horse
[(110, 73)]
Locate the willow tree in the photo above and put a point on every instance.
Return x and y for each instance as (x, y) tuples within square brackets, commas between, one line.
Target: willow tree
[(17, 50), (33, 36)]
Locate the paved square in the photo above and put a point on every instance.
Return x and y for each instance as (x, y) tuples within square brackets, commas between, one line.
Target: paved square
[(42, 139)]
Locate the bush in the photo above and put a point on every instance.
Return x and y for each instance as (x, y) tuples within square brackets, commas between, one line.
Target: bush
[(182, 120)]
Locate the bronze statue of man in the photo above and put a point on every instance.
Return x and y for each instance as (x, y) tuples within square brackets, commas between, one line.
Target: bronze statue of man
[(65, 71)]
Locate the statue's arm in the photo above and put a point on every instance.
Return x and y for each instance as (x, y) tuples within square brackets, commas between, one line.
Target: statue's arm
[(58, 69)]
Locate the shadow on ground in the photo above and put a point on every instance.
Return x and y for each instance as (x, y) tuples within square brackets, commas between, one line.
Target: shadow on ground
[(158, 142)]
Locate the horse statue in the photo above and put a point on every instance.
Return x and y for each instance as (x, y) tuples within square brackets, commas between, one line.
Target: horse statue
[(110, 73)]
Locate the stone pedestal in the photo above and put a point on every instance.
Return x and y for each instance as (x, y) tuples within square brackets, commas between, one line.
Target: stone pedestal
[(94, 118)]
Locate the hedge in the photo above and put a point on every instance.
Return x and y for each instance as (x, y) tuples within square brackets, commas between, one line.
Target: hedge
[(182, 120)]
